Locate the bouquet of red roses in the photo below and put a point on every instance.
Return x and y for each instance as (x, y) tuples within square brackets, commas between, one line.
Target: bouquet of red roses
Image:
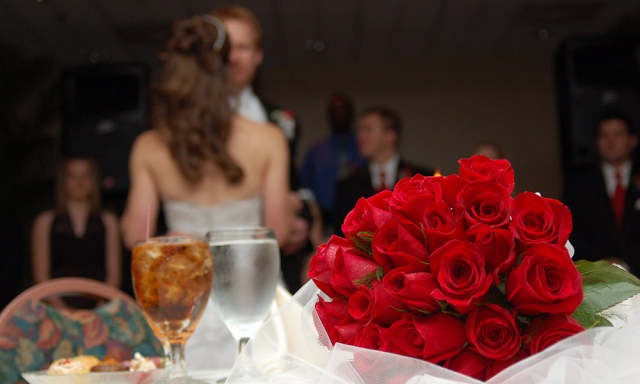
[(454, 271)]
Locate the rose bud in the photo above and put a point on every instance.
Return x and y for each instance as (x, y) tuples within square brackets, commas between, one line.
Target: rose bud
[(546, 281), (331, 314), (545, 331), (458, 266), (492, 332), (441, 225), (375, 337), (498, 246), (469, 363), (393, 247), (536, 219), (479, 167), (413, 289), (498, 366), (375, 304), (434, 338), (365, 218), (485, 202)]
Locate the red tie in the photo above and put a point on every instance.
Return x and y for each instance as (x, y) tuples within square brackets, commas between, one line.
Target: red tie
[(617, 202), (383, 184)]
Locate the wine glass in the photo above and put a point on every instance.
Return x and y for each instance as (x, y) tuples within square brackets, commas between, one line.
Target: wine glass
[(247, 261), (172, 279)]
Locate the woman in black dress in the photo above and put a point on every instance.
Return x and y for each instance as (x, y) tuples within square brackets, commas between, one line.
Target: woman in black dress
[(77, 238)]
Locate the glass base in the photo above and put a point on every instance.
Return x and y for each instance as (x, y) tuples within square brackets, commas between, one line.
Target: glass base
[(181, 380)]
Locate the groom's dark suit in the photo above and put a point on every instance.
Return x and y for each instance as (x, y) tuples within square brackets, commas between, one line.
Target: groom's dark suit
[(358, 185), (594, 235)]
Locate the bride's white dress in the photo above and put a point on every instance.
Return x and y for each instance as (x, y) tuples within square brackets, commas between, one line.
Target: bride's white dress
[(211, 346)]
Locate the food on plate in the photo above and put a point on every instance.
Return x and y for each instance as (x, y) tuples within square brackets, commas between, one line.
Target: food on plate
[(109, 364), (83, 364), (74, 365), (141, 363)]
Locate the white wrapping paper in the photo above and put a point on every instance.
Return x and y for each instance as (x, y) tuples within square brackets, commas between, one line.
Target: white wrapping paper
[(290, 348)]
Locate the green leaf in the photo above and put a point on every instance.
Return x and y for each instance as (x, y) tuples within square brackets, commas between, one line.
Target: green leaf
[(603, 272), (588, 317), (370, 277), (601, 296), (362, 241)]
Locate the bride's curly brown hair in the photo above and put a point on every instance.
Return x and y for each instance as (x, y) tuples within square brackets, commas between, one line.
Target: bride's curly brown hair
[(191, 99)]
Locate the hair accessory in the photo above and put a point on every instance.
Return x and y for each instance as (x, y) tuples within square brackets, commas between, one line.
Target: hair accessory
[(222, 33)]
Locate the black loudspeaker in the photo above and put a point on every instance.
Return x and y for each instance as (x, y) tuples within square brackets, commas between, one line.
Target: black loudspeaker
[(594, 76), (104, 108)]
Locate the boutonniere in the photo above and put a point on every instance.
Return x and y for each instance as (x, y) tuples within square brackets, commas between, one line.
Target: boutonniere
[(285, 120)]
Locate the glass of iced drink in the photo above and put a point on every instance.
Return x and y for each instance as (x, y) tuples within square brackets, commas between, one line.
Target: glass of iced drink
[(172, 281)]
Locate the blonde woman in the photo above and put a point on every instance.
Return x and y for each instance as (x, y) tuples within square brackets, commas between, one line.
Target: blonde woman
[(77, 238)]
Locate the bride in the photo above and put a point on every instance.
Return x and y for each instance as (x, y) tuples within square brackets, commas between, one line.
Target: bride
[(208, 166)]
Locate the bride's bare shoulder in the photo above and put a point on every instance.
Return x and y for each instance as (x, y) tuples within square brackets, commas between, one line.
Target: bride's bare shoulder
[(151, 139)]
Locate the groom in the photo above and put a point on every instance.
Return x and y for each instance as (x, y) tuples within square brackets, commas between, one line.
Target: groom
[(245, 57)]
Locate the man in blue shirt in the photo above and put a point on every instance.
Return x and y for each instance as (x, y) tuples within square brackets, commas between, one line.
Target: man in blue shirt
[(333, 158)]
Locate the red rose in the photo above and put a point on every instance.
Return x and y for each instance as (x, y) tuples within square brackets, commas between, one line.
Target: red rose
[(434, 338), (410, 214), (492, 332), (409, 188), (365, 218), (469, 363), (413, 289), (375, 304), (450, 186), (498, 366), (497, 245), (351, 270), (545, 331), (332, 314), (479, 167), (485, 202), (411, 197), (459, 269), (441, 225), (546, 281), (393, 246), (346, 331), (373, 336), (374, 365), (337, 266), (320, 269), (536, 219)]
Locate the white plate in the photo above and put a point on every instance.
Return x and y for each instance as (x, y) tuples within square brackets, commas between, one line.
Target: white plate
[(125, 377)]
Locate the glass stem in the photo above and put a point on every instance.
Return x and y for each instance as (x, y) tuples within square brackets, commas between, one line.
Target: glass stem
[(176, 359), (241, 343)]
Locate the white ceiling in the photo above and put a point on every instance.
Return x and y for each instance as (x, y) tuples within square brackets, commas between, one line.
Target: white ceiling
[(71, 32)]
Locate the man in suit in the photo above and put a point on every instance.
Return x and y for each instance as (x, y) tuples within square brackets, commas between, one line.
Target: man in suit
[(378, 135), (605, 199)]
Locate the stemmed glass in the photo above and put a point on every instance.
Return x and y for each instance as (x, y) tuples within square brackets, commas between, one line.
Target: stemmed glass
[(247, 261), (172, 279)]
